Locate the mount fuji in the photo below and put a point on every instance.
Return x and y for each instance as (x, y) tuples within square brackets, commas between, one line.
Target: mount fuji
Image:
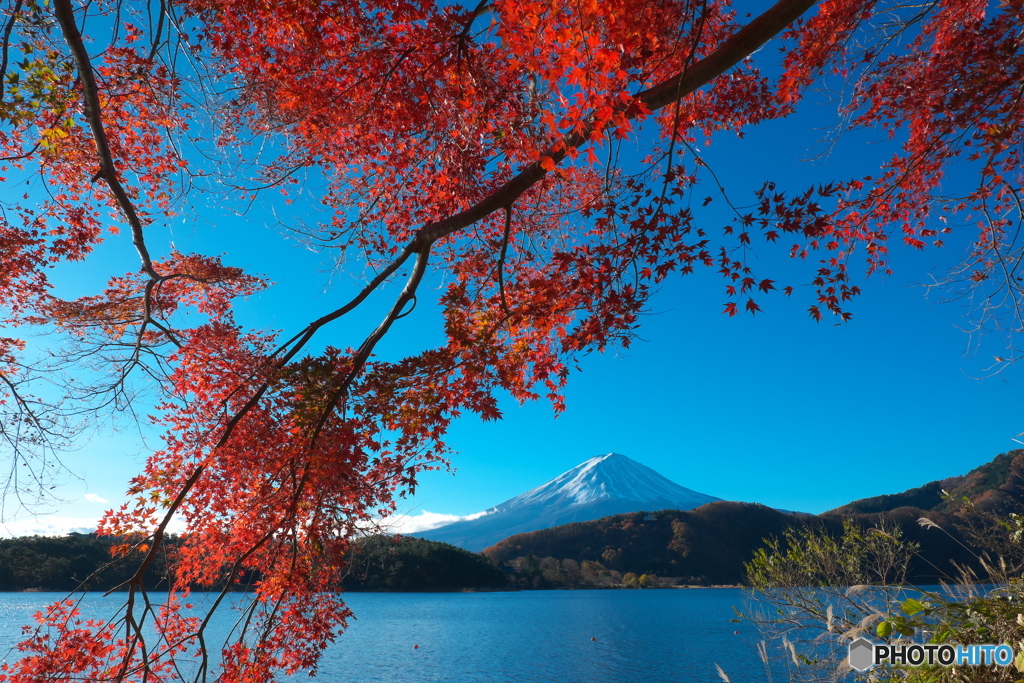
[(609, 484)]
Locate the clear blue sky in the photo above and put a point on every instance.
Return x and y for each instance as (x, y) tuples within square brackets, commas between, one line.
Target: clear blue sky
[(774, 409)]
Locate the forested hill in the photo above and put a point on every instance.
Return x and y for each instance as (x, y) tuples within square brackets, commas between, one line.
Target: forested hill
[(997, 486), (387, 563), (376, 563), (709, 545), (706, 545)]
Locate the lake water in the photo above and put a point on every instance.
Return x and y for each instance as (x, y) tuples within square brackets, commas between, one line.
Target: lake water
[(647, 636)]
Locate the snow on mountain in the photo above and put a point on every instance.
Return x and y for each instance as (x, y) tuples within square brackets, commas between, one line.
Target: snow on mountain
[(609, 484)]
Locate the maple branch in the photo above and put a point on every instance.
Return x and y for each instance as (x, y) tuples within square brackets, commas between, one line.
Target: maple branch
[(17, 441), (159, 30), (303, 337), (730, 53), (229, 583), (407, 295), (7, 44), (501, 257), (94, 115), (482, 8), (161, 529), (24, 155), (298, 342), (366, 348)]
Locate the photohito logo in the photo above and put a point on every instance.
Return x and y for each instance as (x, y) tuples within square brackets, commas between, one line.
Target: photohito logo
[(864, 654)]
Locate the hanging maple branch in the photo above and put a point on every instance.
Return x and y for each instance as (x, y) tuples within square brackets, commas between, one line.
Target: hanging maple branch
[(748, 39), (94, 115), (460, 141)]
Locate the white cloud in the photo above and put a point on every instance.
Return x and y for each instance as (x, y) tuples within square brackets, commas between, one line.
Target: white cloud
[(48, 526), (53, 525), (93, 498), (424, 521)]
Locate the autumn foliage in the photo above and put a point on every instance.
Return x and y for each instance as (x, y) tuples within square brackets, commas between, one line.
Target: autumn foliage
[(481, 142)]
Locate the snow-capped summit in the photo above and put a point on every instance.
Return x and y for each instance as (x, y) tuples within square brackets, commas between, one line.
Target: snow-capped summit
[(610, 477), (606, 485)]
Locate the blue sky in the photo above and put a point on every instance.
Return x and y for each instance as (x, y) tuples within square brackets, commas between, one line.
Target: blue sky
[(774, 409)]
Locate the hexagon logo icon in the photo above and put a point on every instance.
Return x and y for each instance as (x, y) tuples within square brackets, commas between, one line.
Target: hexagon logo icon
[(862, 654)]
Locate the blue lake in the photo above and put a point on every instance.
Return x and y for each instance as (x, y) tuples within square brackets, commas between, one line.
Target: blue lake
[(639, 636)]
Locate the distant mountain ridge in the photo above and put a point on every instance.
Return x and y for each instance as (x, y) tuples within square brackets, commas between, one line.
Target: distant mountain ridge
[(997, 485), (606, 485)]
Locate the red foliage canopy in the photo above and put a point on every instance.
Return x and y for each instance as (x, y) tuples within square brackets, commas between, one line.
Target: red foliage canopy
[(477, 141)]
